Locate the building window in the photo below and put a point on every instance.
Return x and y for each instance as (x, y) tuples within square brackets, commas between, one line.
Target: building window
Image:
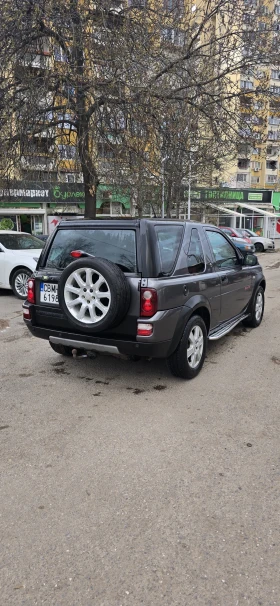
[(59, 54), (67, 152), (176, 6), (63, 120), (271, 178), (275, 73), (275, 90), (173, 35), (255, 180), (271, 164), (243, 163), (246, 84), (40, 175), (241, 178), (273, 135), (274, 120), (71, 177), (137, 3), (256, 165), (272, 150)]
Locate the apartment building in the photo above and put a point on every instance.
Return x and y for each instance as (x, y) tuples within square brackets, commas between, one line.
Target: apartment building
[(258, 165)]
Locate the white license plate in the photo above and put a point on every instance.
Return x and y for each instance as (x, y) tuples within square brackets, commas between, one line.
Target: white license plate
[(48, 293)]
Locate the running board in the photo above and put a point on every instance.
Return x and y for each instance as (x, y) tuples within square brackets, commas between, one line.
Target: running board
[(226, 329)]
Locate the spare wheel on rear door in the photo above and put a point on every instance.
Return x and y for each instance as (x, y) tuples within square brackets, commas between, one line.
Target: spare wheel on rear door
[(94, 294)]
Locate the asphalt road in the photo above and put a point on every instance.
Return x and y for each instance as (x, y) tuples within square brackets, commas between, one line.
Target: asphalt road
[(123, 486)]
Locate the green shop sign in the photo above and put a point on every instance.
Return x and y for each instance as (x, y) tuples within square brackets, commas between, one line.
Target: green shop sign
[(33, 194), (59, 192), (276, 200), (230, 195)]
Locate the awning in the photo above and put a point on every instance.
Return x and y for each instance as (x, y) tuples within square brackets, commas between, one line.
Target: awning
[(22, 211), (234, 213), (257, 210)]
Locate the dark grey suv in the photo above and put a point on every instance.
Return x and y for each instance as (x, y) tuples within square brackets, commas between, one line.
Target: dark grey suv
[(152, 288)]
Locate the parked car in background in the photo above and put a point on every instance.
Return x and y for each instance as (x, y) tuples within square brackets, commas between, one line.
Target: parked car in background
[(261, 244), (234, 233), (245, 245), (152, 288), (43, 238), (19, 253)]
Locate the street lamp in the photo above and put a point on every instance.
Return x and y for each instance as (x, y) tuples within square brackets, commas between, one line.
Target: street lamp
[(163, 187), (190, 179)]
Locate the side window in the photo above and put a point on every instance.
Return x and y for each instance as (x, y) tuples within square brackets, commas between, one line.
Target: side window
[(169, 238), (224, 253), (196, 263)]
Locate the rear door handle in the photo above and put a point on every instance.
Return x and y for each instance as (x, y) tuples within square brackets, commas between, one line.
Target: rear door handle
[(224, 279)]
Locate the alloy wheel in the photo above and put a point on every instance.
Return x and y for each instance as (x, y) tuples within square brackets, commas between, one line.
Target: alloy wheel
[(195, 346), (21, 284), (87, 295), (259, 306)]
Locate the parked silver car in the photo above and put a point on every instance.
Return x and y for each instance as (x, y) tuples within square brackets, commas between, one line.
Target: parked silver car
[(261, 244)]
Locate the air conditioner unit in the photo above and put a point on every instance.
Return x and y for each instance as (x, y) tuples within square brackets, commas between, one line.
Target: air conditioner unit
[(257, 170)]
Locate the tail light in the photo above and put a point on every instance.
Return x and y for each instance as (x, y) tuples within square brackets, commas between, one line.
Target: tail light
[(144, 330), (31, 290), (26, 313), (149, 303)]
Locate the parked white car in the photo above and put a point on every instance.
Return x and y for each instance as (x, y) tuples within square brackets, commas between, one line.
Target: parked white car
[(261, 244), (19, 253)]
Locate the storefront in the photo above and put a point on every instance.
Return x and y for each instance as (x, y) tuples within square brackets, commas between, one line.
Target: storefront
[(255, 210), (37, 207)]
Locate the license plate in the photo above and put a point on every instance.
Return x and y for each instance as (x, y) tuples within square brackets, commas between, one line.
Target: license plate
[(48, 293)]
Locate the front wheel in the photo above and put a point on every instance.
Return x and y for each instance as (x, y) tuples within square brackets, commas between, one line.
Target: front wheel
[(19, 282), (187, 361), (257, 309), (259, 247)]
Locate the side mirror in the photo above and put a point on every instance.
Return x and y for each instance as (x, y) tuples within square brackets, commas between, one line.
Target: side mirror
[(250, 260)]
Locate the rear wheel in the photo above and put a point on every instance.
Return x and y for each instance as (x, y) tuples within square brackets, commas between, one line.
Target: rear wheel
[(61, 349), (187, 361), (256, 315), (259, 247), (94, 294), (19, 282)]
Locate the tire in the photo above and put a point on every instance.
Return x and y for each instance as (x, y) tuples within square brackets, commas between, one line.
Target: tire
[(61, 349), (259, 247), (101, 292), (257, 309), (179, 364), (19, 282)]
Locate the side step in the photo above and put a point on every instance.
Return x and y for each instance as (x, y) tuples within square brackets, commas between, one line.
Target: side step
[(225, 329)]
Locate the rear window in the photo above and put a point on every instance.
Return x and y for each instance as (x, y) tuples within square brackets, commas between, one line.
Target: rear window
[(169, 238), (116, 245), (21, 242)]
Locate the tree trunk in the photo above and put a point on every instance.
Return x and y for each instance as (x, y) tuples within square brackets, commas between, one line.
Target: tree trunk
[(90, 189)]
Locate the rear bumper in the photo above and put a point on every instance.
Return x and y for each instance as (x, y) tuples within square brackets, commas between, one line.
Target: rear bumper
[(112, 346)]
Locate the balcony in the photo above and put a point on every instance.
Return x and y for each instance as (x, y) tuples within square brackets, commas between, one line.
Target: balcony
[(37, 61), (243, 164), (37, 162)]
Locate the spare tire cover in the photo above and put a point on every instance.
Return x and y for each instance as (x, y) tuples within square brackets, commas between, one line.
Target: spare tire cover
[(94, 294)]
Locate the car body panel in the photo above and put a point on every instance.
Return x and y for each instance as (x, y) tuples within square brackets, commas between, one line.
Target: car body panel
[(13, 259), (219, 294)]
